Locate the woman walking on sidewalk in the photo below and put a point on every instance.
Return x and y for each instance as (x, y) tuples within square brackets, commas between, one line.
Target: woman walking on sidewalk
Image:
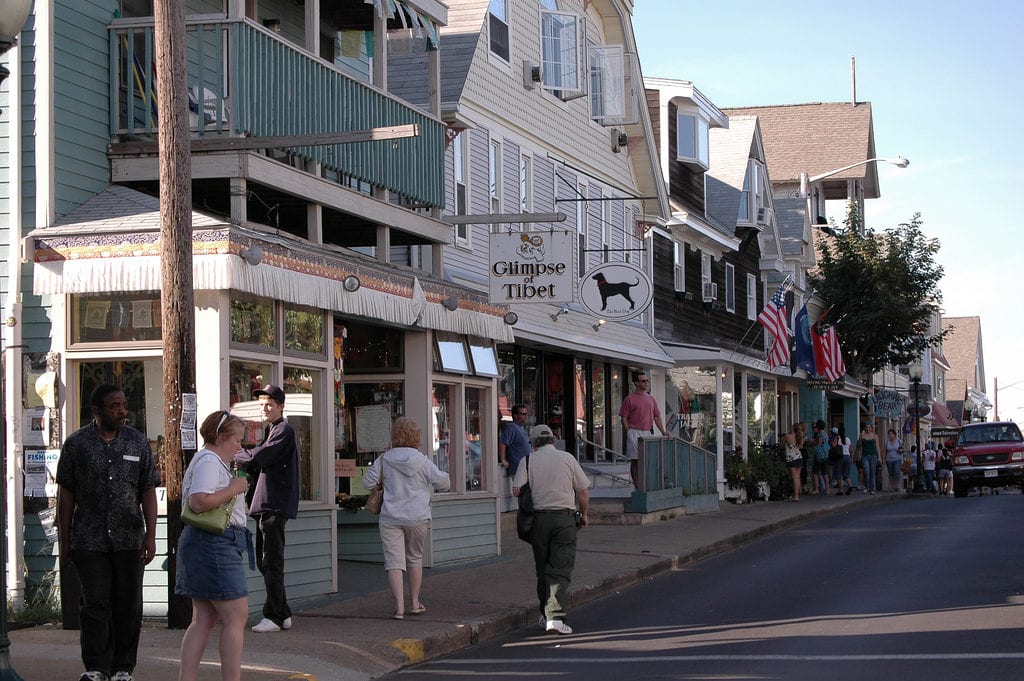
[(868, 446), (792, 442), (210, 568)]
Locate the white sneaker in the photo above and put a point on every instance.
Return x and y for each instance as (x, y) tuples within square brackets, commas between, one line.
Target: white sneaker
[(266, 626), (559, 627), (92, 676), (121, 676), (287, 624)]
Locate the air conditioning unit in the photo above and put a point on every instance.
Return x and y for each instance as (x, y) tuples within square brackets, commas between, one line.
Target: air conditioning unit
[(709, 291), (764, 215), (619, 140)]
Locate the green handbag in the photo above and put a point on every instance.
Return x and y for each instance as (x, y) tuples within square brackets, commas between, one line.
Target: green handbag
[(215, 520)]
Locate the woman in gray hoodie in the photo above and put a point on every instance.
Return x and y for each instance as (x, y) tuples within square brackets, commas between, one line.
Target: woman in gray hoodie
[(409, 479)]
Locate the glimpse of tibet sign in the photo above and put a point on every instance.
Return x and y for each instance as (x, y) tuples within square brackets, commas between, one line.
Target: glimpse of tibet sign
[(532, 267)]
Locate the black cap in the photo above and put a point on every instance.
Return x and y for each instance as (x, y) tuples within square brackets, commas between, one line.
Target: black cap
[(271, 391)]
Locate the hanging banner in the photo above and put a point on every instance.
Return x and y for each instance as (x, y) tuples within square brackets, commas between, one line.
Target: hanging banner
[(532, 267), (888, 404)]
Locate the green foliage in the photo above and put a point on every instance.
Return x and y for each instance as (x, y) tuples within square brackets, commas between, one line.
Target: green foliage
[(765, 463), (883, 290), (42, 602)]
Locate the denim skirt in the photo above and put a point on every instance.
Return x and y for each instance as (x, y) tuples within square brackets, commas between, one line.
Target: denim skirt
[(210, 566)]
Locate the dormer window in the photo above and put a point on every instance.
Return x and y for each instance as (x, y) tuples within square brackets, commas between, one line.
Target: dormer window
[(754, 206), (497, 28), (692, 138), (561, 37)]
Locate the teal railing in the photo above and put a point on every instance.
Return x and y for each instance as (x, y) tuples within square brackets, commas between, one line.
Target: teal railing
[(245, 81), (668, 463)]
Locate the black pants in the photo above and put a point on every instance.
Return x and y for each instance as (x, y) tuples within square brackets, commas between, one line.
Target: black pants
[(110, 609), (554, 556), (270, 561)]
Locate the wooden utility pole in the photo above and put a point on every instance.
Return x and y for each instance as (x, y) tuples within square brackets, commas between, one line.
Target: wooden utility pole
[(177, 309)]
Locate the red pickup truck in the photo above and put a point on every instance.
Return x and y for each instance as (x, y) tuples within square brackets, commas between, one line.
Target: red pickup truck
[(988, 454)]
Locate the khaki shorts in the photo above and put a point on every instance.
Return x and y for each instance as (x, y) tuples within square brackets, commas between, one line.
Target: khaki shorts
[(633, 436), (403, 545)]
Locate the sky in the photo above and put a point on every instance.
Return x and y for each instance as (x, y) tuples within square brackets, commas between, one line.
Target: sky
[(945, 83)]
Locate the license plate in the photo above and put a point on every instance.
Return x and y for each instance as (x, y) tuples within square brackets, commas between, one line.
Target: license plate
[(991, 474)]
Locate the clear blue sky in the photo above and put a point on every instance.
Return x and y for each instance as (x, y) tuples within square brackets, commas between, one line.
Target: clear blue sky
[(944, 80)]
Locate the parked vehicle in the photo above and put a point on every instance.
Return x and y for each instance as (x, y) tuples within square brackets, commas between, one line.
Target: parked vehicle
[(989, 454)]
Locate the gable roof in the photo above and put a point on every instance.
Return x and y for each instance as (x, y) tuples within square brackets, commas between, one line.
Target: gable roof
[(459, 42), (816, 138), (730, 150), (962, 349)]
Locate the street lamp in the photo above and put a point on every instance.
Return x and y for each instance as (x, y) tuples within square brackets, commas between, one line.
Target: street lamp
[(806, 182), (13, 14), (916, 372)]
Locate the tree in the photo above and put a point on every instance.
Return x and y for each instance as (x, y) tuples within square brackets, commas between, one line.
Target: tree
[(883, 291)]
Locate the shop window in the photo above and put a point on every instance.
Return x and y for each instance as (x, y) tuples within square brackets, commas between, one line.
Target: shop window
[(441, 445), (362, 425), (252, 322), (116, 318), (245, 377), (304, 331), (370, 348), (300, 384), (485, 361), (450, 353), (141, 380), (474, 418)]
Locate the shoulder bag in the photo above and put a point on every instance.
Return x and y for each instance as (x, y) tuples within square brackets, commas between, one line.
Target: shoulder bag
[(376, 498), (524, 516), (215, 520)]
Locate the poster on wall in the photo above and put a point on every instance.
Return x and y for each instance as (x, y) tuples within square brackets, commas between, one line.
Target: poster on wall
[(41, 472), (37, 427), (373, 428)]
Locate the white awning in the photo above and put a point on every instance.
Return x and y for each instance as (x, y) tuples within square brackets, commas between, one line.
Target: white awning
[(628, 342)]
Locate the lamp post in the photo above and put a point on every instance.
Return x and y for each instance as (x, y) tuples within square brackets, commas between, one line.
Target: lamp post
[(13, 14), (916, 372), (806, 182)]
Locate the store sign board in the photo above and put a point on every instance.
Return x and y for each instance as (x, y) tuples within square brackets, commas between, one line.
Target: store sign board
[(888, 403), (616, 291), (532, 267)]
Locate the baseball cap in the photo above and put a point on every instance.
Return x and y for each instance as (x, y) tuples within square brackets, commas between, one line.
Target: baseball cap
[(836, 431), (271, 391), (540, 430)]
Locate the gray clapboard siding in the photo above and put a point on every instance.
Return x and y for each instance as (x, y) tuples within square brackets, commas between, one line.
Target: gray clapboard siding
[(464, 530)]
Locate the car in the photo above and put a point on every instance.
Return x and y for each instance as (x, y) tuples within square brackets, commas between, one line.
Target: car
[(988, 454)]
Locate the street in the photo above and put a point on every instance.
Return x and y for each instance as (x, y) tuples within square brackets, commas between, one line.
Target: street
[(925, 588)]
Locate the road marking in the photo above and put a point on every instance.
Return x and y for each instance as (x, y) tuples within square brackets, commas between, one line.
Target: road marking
[(909, 657)]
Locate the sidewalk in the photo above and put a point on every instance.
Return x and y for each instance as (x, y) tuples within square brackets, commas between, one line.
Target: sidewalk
[(350, 635)]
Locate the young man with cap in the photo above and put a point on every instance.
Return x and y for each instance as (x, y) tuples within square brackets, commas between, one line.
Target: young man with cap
[(639, 413), (274, 502), (558, 485)]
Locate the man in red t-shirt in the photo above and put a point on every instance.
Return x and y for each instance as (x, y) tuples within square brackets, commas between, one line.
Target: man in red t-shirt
[(639, 414)]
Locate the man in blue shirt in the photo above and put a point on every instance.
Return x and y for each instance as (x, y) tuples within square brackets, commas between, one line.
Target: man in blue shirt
[(513, 444)]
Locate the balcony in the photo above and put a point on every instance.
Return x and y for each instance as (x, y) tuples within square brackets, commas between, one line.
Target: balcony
[(245, 81)]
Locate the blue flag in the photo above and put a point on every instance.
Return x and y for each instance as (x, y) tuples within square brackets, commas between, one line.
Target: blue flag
[(804, 345)]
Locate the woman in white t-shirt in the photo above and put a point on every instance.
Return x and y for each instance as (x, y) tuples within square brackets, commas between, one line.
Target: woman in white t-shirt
[(209, 566)]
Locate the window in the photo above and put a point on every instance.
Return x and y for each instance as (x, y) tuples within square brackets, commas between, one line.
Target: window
[(485, 359), (450, 353), (705, 268), (497, 28), (581, 228), (751, 297), (305, 331), (678, 266), (494, 169), (608, 92), (561, 47), (525, 183), (692, 139), (116, 318), (730, 287), (460, 147), (753, 203), (606, 231), (252, 322), (369, 348)]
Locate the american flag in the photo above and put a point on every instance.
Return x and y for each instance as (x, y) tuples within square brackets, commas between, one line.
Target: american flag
[(835, 367), (773, 319)]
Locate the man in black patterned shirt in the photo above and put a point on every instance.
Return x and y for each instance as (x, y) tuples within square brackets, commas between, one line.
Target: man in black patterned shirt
[(106, 519)]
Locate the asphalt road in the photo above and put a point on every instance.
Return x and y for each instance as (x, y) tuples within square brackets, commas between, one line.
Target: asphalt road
[(922, 589)]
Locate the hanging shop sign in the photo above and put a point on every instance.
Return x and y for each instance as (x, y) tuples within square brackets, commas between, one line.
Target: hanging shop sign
[(532, 267), (888, 403), (616, 291)]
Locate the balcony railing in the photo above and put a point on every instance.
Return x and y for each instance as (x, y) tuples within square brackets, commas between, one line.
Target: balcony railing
[(245, 81)]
